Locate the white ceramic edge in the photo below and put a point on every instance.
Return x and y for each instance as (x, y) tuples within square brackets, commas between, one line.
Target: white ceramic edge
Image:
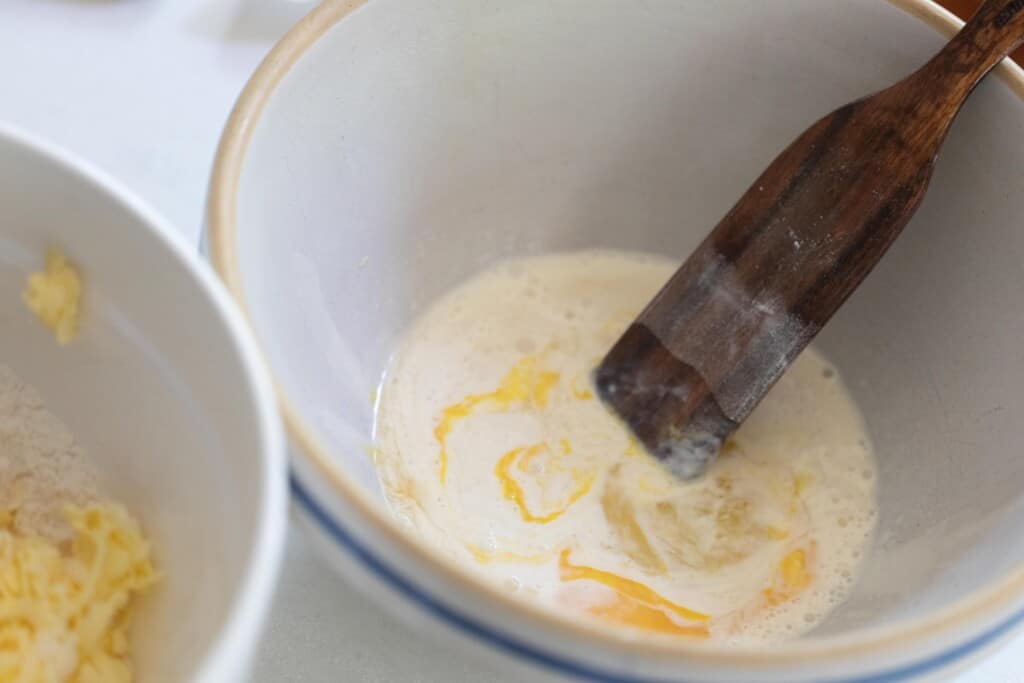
[(228, 657)]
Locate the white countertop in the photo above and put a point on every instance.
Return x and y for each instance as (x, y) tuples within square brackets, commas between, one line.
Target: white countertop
[(141, 88)]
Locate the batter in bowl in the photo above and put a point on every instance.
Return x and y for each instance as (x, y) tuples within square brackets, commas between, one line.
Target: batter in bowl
[(491, 445)]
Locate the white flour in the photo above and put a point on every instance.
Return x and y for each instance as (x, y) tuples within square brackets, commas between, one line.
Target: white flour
[(41, 467)]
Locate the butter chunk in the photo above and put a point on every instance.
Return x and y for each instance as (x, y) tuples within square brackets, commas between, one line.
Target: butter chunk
[(54, 295)]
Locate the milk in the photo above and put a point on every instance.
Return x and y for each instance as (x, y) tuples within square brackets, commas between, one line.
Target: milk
[(491, 444)]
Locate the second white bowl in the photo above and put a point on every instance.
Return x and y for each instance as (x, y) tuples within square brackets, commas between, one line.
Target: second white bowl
[(164, 390)]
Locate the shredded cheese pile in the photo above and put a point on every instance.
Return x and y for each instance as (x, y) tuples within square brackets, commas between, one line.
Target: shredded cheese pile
[(64, 613)]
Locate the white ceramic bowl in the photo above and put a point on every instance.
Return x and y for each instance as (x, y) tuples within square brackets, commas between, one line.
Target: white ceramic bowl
[(165, 391), (385, 151)]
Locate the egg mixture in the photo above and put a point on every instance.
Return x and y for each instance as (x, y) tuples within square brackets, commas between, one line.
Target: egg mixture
[(491, 445)]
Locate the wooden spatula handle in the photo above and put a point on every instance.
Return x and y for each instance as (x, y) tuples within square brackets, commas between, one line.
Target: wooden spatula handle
[(709, 346), (994, 31)]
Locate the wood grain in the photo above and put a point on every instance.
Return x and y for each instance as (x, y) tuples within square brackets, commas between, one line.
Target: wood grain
[(964, 9), (741, 308)]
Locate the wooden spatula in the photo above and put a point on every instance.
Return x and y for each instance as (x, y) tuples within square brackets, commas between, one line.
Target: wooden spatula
[(716, 338)]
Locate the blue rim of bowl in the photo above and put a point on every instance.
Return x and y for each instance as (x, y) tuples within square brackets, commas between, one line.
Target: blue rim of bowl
[(221, 214), (510, 646)]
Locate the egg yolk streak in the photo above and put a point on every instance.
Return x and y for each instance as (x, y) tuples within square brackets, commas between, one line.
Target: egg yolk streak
[(534, 469), (636, 604), (524, 386), (792, 577), (484, 556), (512, 490)]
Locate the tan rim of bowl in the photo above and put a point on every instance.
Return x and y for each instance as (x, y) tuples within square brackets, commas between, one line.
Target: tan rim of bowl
[(221, 227)]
